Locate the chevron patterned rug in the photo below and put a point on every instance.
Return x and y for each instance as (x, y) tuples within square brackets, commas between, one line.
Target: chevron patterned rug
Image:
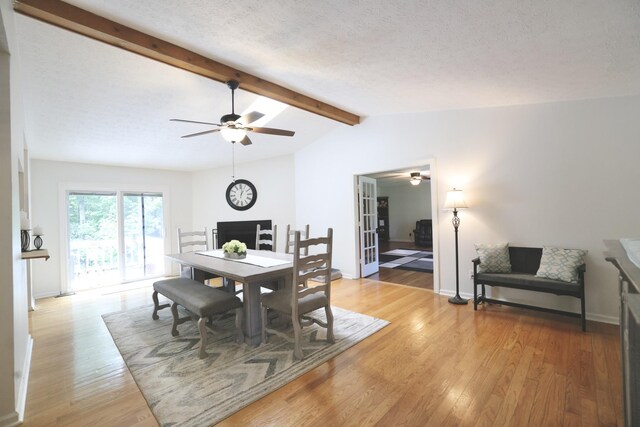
[(184, 390)]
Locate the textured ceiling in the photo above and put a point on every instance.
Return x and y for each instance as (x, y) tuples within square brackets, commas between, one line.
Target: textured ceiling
[(90, 102)]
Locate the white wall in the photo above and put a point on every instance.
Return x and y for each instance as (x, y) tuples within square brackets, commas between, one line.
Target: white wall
[(15, 341), (49, 179), (274, 181), (407, 204), (563, 174)]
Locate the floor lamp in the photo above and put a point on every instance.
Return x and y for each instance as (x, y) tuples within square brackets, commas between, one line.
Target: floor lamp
[(455, 201)]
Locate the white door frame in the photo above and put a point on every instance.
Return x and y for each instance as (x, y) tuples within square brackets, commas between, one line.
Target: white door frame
[(65, 187), (366, 227), (434, 215)]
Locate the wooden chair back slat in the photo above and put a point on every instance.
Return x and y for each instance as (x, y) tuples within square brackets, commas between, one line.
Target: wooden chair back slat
[(302, 265), (261, 240), (304, 234), (192, 240)]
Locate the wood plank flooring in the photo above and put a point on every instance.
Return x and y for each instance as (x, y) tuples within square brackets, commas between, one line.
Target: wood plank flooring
[(435, 364)]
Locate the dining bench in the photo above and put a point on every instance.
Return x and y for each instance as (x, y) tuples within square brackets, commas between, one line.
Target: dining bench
[(201, 301)]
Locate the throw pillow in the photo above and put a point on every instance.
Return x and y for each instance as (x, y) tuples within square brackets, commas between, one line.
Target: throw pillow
[(560, 264), (494, 258)]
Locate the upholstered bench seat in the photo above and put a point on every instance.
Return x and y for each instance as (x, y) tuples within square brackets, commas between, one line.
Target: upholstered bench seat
[(527, 281), (199, 299)]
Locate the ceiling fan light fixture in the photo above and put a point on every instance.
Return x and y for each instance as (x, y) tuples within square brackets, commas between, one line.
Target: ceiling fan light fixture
[(416, 178), (232, 134)]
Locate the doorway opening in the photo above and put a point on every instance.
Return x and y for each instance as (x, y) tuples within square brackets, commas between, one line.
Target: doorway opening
[(403, 236)]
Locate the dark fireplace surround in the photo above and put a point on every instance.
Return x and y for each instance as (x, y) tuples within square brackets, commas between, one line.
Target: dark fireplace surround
[(244, 231)]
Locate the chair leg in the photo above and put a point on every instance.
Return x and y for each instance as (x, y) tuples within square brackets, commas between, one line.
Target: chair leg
[(174, 312), (264, 325), (239, 334), (203, 338), (329, 314), (297, 333), (475, 297)]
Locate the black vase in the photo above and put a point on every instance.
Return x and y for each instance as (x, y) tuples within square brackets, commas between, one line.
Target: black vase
[(37, 242), (25, 240)]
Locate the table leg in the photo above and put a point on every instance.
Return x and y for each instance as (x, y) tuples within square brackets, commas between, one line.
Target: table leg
[(252, 327)]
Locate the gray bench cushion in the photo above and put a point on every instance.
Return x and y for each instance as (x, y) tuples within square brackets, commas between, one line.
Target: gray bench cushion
[(196, 297), (527, 280)]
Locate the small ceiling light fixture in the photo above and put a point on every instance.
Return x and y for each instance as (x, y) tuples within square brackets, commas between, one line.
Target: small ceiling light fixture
[(416, 178), (233, 134)]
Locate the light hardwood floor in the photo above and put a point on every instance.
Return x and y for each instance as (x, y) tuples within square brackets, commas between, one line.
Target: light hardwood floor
[(435, 364)]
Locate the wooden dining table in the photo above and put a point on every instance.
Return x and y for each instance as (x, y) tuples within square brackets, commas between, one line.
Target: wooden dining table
[(251, 276)]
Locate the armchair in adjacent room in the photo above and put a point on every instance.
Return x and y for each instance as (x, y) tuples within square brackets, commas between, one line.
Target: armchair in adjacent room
[(423, 234)]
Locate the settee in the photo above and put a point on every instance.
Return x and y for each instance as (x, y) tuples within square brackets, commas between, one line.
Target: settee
[(525, 262)]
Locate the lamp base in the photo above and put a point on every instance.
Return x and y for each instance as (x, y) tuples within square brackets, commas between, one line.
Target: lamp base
[(458, 300)]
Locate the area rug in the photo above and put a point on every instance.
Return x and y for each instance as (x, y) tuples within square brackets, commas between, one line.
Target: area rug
[(408, 259), (184, 390)]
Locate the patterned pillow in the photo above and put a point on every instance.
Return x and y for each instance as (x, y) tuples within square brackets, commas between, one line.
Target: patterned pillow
[(560, 264), (494, 258)]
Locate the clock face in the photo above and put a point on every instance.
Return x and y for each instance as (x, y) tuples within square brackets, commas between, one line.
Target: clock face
[(241, 194)]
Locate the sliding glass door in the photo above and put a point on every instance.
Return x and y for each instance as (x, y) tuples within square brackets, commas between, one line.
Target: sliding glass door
[(93, 240), (114, 237), (143, 235)]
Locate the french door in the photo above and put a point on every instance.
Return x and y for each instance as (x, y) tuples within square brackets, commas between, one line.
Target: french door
[(368, 206), (113, 237)]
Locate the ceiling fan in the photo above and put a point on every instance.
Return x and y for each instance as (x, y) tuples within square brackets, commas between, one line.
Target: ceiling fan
[(233, 127), (417, 178)]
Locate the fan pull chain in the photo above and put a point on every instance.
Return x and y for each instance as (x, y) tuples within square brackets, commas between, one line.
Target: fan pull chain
[(233, 162)]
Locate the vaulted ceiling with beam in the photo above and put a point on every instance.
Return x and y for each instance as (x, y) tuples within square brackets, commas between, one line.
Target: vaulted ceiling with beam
[(93, 102)]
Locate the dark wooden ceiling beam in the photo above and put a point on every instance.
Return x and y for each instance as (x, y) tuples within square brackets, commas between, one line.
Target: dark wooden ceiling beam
[(80, 21)]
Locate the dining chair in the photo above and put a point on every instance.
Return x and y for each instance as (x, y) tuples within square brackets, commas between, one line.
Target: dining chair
[(304, 234), (193, 241), (266, 237), (299, 301)]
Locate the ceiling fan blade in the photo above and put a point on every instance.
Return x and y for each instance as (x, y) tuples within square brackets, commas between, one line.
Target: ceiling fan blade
[(245, 140), (193, 121), (200, 133), (272, 131), (250, 117)]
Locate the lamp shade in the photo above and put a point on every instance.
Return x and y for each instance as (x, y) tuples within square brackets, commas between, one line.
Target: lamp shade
[(455, 200)]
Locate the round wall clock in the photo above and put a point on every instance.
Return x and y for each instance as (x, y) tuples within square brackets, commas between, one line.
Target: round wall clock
[(241, 194)]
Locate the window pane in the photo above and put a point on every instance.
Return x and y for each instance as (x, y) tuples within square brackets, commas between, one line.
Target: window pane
[(143, 235)]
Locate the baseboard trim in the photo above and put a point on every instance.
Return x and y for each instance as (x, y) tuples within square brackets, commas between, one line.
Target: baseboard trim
[(24, 383), (10, 420), (46, 295), (613, 320), (448, 293), (595, 317)]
